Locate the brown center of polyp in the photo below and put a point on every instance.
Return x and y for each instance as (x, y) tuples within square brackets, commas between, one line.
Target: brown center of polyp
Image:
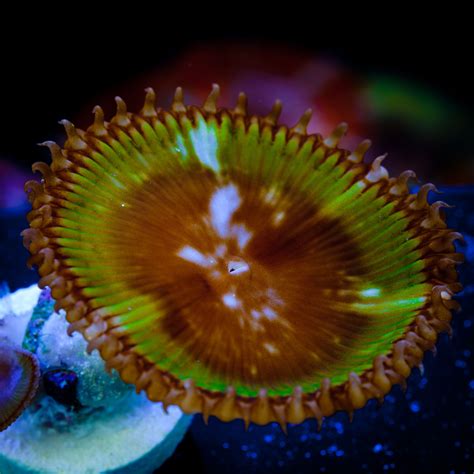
[(255, 284)]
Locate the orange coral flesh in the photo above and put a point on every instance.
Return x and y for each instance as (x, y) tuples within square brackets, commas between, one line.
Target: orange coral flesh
[(238, 268), (19, 380)]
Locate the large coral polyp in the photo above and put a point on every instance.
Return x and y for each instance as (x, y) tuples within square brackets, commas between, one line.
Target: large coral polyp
[(239, 268)]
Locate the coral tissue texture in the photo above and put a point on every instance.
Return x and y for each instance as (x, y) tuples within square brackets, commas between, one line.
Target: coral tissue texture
[(19, 380), (237, 267)]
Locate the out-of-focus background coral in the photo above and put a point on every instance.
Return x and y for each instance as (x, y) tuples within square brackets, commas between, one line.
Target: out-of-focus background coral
[(414, 102)]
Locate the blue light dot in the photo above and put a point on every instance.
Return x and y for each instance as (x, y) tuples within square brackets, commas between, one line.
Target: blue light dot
[(244, 447), (377, 448), (322, 452), (226, 445), (471, 384), (268, 438), (467, 353), (339, 427), (307, 455), (339, 453), (460, 364), (422, 383), (467, 323), (303, 438), (415, 407), (253, 455)]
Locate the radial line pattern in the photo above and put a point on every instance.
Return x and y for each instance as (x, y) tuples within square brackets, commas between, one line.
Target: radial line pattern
[(238, 268)]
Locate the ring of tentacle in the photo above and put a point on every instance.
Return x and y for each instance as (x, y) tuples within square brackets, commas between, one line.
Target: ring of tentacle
[(237, 267)]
